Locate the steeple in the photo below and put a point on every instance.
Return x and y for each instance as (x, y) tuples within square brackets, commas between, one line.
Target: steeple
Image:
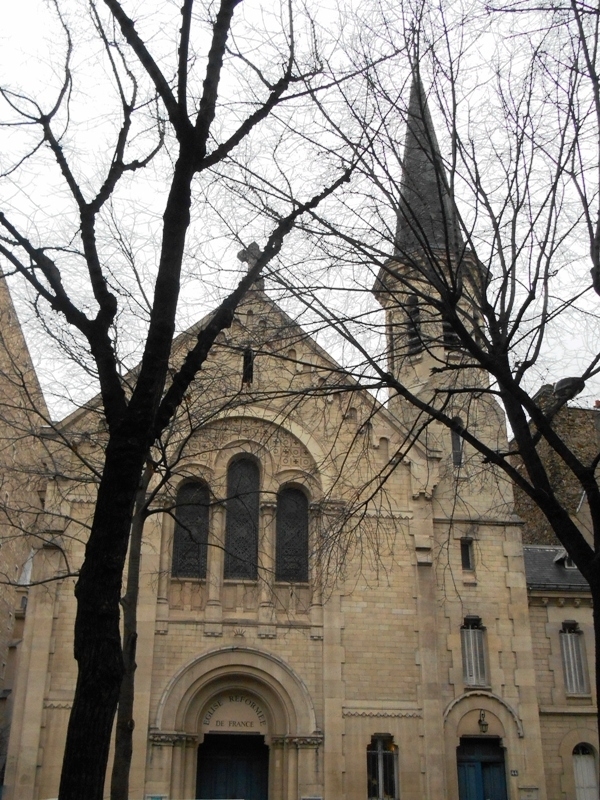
[(427, 217)]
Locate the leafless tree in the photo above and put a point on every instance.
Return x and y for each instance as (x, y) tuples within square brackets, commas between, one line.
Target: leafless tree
[(192, 120), (477, 232)]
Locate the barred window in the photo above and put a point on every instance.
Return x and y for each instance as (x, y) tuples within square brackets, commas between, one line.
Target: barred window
[(573, 656), (291, 551), (191, 531), (382, 768), (241, 529), (472, 636)]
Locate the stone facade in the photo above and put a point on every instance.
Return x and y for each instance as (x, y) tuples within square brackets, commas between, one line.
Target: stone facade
[(407, 645)]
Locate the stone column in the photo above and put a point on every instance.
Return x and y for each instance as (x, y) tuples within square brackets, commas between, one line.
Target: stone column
[(315, 577), (213, 614), (276, 768), (164, 570), (190, 757), (22, 764), (309, 783), (292, 770), (266, 571)]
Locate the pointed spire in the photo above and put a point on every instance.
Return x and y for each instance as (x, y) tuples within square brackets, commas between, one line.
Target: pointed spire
[(427, 217)]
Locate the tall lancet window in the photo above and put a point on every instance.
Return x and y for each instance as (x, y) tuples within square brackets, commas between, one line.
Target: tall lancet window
[(190, 542), (291, 552), (457, 442), (413, 325), (241, 532)]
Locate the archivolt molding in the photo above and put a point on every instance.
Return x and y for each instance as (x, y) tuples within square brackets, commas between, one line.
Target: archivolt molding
[(273, 681), (489, 696)]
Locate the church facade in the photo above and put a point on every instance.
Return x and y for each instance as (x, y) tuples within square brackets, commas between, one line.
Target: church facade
[(324, 611)]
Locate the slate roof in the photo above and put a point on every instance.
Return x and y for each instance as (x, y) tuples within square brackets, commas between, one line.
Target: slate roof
[(427, 217), (544, 573)]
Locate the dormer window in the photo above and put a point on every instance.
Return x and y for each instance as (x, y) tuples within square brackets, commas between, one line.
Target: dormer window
[(565, 560)]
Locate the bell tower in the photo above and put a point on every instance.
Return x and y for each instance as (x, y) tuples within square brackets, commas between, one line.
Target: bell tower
[(431, 280)]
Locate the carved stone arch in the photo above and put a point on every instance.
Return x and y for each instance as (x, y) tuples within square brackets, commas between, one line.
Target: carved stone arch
[(461, 718), (280, 690), (327, 474), (298, 479), (584, 733), (238, 448), (461, 705)]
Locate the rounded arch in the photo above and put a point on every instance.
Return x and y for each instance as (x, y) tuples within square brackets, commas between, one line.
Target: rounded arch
[(582, 734), (278, 688), (469, 700)]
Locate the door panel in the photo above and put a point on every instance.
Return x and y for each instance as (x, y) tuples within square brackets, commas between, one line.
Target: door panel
[(232, 768)]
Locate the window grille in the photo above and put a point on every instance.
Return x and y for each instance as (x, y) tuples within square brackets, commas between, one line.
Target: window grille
[(473, 652), (573, 656), (413, 314), (191, 531), (457, 443), (291, 551), (382, 768), (241, 529)]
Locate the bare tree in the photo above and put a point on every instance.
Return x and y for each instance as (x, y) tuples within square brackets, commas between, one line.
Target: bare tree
[(478, 245), (185, 121)]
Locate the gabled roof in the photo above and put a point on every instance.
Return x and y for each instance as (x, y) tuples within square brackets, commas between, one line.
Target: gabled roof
[(427, 216), (545, 570)]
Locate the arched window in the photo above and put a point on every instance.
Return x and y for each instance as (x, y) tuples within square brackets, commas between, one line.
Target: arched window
[(584, 767), (191, 531), (457, 443), (291, 550), (241, 532)]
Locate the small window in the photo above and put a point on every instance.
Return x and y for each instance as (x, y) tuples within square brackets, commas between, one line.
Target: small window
[(248, 367), (472, 636), (572, 647), (191, 531), (413, 325), (450, 338), (291, 549), (584, 769), (241, 528), (466, 553), (382, 768), (457, 442)]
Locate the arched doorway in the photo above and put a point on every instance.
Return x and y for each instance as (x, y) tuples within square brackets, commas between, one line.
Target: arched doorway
[(233, 758), (481, 769)]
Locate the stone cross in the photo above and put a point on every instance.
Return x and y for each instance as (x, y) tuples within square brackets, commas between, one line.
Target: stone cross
[(250, 256)]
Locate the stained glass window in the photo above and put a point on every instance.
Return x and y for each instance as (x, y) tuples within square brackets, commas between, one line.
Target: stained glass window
[(191, 531), (241, 534), (291, 549)]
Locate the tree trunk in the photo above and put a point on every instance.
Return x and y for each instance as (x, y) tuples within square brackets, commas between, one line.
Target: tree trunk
[(98, 649), (119, 786)]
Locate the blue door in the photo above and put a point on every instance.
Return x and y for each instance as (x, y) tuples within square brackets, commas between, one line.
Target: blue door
[(233, 767), (481, 769)]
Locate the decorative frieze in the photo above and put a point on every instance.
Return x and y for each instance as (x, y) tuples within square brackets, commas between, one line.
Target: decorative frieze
[(411, 714)]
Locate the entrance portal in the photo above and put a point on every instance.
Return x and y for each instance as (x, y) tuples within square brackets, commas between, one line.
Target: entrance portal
[(233, 767), (481, 770)]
